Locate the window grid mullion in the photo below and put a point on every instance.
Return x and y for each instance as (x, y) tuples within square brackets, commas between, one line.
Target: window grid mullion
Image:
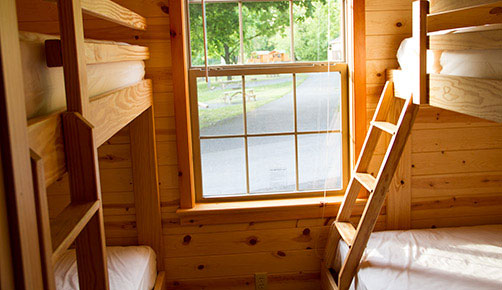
[(244, 118), (292, 30), (297, 183), (241, 34)]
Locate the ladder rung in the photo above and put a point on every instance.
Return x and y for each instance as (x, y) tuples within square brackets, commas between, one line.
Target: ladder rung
[(385, 126), (367, 180), (69, 223), (347, 232)]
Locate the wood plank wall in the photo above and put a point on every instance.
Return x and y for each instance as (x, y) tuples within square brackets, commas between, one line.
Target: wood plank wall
[(456, 160), (456, 168)]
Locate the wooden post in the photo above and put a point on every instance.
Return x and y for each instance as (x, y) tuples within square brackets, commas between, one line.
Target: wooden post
[(44, 230), (23, 264), (146, 184), (420, 11), (182, 103), (81, 153)]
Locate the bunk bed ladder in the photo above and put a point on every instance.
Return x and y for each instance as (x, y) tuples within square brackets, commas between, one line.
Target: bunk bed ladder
[(341, 228)]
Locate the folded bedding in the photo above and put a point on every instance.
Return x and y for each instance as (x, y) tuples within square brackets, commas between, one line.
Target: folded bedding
[(129, 268), (447, 258), (44, 86), (477, 63)]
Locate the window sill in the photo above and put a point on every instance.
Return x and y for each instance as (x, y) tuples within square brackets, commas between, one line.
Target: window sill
[(265, 210)]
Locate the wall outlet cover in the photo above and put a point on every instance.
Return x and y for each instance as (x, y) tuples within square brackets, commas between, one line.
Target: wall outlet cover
[(260, 281)]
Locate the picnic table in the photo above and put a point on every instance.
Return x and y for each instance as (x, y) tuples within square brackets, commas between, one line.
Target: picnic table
[(229, 95)]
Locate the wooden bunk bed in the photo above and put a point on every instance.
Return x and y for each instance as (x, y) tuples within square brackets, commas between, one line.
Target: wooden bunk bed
[(66, 142), (476, 96)]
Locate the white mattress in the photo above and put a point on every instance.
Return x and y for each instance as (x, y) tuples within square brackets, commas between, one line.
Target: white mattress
[(44, 86), (447, 258), (129, 268), (466, 63)]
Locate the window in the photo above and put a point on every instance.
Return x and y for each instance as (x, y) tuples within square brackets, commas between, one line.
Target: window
[(269, 117)]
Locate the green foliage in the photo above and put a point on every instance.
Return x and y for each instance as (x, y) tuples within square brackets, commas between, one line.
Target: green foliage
[(265, 27)]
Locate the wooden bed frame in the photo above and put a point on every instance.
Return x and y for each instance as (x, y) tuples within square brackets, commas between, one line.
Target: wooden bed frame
[(473, 96), (66, 142), (468, 95)]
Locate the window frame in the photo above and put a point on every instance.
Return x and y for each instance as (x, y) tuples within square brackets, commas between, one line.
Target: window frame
[(243, 70)]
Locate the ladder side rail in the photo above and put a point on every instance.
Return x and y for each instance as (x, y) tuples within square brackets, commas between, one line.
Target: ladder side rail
[(377, 198), (81, 151), (369, 146)]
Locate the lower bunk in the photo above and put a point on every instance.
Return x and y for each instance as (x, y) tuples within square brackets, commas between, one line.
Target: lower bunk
[(446, 258), (129, 268)]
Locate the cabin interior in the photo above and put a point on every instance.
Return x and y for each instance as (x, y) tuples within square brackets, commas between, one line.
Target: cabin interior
[(159, 144)]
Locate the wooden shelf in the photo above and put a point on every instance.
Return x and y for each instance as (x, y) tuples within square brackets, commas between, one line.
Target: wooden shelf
[(109, 112), (96, 52), (385, 126), (68, 224)]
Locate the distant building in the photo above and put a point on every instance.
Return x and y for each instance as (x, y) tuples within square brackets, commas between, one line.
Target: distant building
[(335, 50), (264, 56)]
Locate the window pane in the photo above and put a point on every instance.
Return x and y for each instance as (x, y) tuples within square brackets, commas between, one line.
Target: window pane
[(320, 161), (266, 29), (196, 34), (271, 164), (318, 97), (313, 40), (222, 23), (223, 166), (220, 106), (269, 103)]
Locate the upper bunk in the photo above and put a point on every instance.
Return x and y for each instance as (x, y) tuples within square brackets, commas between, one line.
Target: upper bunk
[(454, 59), (116, 89)]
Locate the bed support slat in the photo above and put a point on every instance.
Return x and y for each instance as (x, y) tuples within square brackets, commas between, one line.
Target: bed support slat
[(97, 52), (113, 12), (111, 111), (465, 17)]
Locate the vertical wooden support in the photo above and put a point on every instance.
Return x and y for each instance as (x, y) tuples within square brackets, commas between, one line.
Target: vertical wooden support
[(44, 231), (420, 10), (145, 183), (17, 188), (82, 162), (177, 15), (73, 54), (81, 153), (398, 207), (357, 74), (6, 269)]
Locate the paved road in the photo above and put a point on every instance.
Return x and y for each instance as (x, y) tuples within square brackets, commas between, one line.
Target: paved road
[(272, 159)]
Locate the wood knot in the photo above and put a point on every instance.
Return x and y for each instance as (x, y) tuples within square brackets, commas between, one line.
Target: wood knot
[(281, 254), (136, 37), (378, 74), (496, 10), (399, 24), (180, 173), (306, 232), (252, 241), (200, 267), (173, 33), (164, 9), (402, 181), (176, 283), (187, 239)]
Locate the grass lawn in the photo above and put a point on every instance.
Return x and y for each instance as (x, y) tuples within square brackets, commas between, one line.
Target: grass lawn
[(266, 88)]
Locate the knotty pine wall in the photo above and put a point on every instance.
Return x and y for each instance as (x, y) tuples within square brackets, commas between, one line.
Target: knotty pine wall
[(453, 167), (224, 256)]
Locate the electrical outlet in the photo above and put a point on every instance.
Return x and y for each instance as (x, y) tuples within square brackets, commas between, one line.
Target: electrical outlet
[(260, 281)]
